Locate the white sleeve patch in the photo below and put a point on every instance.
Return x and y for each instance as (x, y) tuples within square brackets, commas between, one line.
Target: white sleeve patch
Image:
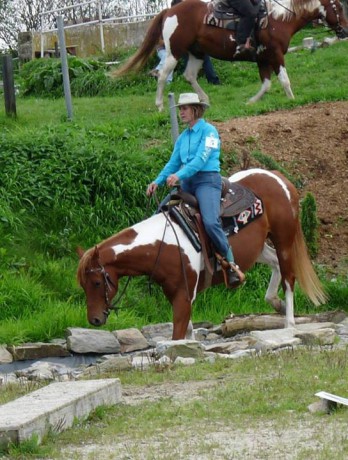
[(211, 142)]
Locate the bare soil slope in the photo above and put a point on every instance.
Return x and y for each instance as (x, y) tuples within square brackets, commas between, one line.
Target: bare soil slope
[(310, 142)]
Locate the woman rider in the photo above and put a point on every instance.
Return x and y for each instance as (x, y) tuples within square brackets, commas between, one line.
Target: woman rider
[(195, 163)]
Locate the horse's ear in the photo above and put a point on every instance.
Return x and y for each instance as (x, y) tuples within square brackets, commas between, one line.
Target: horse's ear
[(95, 254), (79, 251)]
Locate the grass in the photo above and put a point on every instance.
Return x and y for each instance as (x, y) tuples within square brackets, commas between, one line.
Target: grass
[(263, 396), (74, 183)]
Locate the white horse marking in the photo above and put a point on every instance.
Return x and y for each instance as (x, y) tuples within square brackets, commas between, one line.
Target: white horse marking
[(249, 172), (157, 228)]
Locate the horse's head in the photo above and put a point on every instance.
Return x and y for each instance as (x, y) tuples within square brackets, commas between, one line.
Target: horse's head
[(100, 283), (332, 13)]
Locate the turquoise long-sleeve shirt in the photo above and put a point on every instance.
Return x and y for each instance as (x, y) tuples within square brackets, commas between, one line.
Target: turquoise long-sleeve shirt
[(196, 149)]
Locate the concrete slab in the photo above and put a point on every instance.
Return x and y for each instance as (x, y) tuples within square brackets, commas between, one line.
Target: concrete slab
[(55, 408)]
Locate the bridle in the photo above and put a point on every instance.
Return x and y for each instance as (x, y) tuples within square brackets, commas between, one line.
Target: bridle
[(108, 283), (338, 28)]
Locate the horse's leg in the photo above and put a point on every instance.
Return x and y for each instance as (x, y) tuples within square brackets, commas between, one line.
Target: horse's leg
[(169, 65), (285, 82), (190, 335), (265, 72), (269, 257), (181, 315), (191, 72), (288, 281)]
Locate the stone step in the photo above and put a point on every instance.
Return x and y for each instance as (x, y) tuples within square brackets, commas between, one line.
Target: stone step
[(54, 407)]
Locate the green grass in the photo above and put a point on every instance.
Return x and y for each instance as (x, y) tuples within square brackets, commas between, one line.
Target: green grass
[(269, 392), (69, 183)]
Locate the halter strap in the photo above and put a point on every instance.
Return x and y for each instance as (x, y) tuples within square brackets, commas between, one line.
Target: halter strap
[(107, 287)]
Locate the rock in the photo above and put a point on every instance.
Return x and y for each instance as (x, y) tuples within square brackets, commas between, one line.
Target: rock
[(38, 350), (185, 361), (274, 339), (232, 346), (130, 340), (163, 330), (183, 348), (112, 364), (323, 405), (81, 340), (5, 356), (45, 371), (325, 336)]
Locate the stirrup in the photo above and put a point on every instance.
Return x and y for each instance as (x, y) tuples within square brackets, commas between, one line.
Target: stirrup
[(233, 276), (234, 268)]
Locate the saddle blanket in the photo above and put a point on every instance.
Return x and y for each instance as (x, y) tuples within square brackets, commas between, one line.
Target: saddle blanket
[(231, 225)]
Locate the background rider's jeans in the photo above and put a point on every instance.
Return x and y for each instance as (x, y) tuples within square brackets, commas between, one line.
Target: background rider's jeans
[(206, 187), (161, 53)]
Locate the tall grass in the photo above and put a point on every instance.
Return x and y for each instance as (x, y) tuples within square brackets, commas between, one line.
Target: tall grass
[(65, 184)]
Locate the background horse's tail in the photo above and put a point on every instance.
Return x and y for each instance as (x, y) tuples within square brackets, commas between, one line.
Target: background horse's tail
[(304, 271), (140, 58)]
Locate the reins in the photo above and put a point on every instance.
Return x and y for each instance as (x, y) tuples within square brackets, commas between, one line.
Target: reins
[(168, 221)]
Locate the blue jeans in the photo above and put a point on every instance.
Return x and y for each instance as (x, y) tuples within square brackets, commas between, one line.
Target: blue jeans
[(206, 187)]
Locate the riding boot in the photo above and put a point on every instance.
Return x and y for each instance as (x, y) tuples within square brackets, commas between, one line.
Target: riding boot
[(245, 51)]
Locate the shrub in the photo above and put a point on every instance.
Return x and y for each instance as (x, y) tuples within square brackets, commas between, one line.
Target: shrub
[(309, 223)]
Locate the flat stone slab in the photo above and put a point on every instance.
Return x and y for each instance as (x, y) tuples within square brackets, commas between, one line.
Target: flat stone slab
[(55, 408)]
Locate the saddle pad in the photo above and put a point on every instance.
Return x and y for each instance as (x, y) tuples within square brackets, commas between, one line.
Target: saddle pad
[(234, 224)]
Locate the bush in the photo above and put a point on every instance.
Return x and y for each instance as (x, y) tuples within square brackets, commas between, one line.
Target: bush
[(309, 223)]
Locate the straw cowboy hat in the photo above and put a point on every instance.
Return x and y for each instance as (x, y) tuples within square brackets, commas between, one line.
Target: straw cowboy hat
[(190, 99)]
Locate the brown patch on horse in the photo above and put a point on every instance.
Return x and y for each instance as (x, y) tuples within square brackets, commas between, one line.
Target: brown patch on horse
[(126, 236), (90, 258)]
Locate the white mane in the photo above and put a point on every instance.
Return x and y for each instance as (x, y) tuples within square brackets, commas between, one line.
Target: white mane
[(284, 10)]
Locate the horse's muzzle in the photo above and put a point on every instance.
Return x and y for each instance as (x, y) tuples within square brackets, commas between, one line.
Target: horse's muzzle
[(97, 321)]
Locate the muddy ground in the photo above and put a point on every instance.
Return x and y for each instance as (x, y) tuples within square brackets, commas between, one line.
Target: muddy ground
[(311, 143)]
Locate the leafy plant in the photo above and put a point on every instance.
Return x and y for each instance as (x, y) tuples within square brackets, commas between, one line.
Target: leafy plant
[(309, 222)]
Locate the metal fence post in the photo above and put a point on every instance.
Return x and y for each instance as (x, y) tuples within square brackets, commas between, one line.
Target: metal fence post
[(173, 117), (65, 67)]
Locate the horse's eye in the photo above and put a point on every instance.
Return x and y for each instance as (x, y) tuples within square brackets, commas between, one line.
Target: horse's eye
[(97, 284)]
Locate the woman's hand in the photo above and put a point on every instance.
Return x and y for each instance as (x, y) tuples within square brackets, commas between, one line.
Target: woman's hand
[(151, 188), (172, 180)]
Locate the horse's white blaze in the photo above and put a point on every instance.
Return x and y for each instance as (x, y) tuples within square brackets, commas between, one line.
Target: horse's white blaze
[(249, 172)]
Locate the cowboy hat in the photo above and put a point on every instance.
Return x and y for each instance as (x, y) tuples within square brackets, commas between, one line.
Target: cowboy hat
[(190, 99)]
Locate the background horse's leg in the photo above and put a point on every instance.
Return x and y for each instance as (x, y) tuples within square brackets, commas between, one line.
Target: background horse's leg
[(169, 65), (191, 72), (269, 257), (285, 82), (265, 72)]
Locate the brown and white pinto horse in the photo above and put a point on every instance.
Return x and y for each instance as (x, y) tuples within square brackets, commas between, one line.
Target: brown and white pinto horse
[(161, 250), (184, 32)]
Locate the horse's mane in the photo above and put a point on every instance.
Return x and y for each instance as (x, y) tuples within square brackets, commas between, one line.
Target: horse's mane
[(285, 10), (84, 265)]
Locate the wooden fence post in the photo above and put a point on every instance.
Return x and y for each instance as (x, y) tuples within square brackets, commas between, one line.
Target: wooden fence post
[(9, 88)]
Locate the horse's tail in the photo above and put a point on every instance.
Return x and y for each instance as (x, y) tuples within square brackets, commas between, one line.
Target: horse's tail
[(304, 271), (139, 59)]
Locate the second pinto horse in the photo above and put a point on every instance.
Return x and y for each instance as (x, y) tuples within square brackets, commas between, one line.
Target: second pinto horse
[(185, 32)]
